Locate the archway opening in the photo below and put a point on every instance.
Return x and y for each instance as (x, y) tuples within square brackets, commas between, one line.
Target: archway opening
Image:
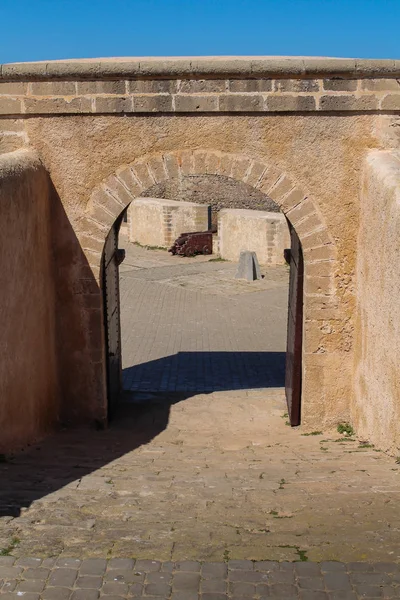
[(186, 326)]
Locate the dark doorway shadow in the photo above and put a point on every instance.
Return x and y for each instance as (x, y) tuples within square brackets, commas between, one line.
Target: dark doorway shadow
[(70, 454), (205, 372)]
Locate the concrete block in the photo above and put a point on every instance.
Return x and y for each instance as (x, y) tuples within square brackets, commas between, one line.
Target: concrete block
[(248, 268), (158, 222), (264, 233)]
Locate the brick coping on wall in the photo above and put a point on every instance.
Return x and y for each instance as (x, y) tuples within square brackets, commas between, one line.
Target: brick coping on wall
[(247, 66), (200, 85)]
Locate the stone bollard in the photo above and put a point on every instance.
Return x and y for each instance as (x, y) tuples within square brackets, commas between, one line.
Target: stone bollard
[(248, 268)]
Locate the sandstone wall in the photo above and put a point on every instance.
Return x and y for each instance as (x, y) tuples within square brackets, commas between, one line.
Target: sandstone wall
[(158, 222), (215, 190), (261, 232), (28, 365), (376, 410)]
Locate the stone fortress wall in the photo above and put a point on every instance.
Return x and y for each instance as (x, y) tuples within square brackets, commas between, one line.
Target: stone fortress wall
[(298, 130)]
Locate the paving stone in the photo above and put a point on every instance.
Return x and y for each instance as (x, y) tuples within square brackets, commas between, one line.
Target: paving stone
[(342, 595), (359, 566), (369, 578), (147, 565), (245, 565), (337, 581), (52, 593), (214, 570), (10, 585), (93, 566), (110, 597), (120, 563), (26, 596), (311, 583), (73, 563), (239, 588), (136, 589), (391, 592), (38, 573), (85, 595), (266, 565), (125, 576), (31, 585), (167, 567), (214, 586), (329, 566), (89, 581), (207, 596), (369, 591), (7, 561), (312, 595), (158, 577), (29, 561), (188, 565), (8, 572), (188, 596), (385, 567), (186, 581), (248, 576), (282, 590), (307, 569), (281, 577), (157, 589), (63, 577), (49, 563)]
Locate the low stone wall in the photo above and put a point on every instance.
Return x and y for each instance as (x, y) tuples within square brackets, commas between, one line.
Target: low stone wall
[(158, 222), (28, 366), (376, 409), (265, 233)]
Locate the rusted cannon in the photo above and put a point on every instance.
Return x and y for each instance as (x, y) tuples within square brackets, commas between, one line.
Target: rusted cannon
[(192, 243)]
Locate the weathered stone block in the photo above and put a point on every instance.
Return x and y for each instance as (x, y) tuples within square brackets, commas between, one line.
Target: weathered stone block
[(240, 229), (236, 103), (113, 105), (250, 85), (196, 103), (200, 86), (296, 85), (101, 87), (340, 85), (290, 103), (44, 106), (10, 106), (161, 86), (391, 102), (348, 102), (152, 104), (380, 84), (13, 88), (53, 88), (158, 222)]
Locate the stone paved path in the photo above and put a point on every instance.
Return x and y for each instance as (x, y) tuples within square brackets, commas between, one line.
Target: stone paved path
[(189, 325), (203, 496), (117, 579)]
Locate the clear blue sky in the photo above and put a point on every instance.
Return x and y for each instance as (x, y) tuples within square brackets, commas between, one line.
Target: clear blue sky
[(53, 29)]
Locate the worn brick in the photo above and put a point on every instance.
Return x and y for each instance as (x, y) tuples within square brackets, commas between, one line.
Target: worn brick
[(101, 87), (380, 85), (340, 85), (158, 86), (196, 103), (290, 103), (10, 106), (201, 86), (118, 104), (13, 88), (53, 88), (391, 102), (240, 103), (348, 102), (50, 106), (250, 85), (152, 103), (296, 85)]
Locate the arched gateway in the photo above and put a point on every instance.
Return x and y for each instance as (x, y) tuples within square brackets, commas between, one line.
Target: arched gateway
[(102, 132)]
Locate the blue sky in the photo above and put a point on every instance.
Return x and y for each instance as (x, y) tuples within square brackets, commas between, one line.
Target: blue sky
[(54, 29)]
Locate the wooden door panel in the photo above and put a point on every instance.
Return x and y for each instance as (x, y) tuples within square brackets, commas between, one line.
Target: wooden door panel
[(294, 330)]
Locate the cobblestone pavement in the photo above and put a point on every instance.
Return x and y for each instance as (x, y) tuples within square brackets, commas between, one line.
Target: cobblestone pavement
[(115, 579), (201, 495), (189, 325)]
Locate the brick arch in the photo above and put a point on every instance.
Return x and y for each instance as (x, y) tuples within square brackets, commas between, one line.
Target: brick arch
[(113, 195)]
